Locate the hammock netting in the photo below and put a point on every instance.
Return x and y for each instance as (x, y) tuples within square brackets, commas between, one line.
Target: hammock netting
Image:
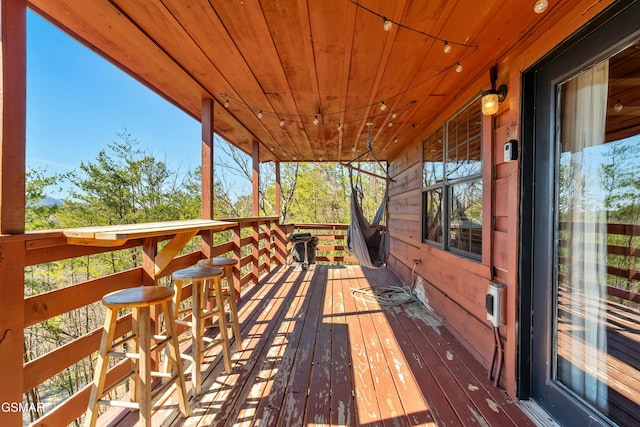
[(368, 241)]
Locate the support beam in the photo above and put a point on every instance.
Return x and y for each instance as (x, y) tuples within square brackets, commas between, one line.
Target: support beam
[(207, 158), (207, 171), (278, 191), (256, 179), (12, 115), (12, 203)]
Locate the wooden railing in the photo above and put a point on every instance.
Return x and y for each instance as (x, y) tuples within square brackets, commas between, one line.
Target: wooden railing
[(259, 244), (332, 245), (623, 258)]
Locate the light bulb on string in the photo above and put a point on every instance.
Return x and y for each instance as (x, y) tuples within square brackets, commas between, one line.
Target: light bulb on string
[(259, 115), (393, 115), (226, 103), (618, 106), (316, 121), (458, 67), (383, 106), (447, 47), (540, 6), (390, 124), (282, 123), (387, 25)]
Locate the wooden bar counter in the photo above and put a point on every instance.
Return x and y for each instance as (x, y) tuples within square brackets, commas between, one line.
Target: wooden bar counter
[(117, 235)]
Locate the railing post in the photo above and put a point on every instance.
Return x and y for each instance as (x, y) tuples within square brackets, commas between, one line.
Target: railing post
[(269, 244), (281, 250), (237, 253), (12, 260), (255, 251)]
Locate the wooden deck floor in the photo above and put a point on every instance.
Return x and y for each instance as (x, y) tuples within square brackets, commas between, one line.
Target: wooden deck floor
[(315, 355)]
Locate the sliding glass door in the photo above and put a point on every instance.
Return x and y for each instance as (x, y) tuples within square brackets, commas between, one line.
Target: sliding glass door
[(584, 265)]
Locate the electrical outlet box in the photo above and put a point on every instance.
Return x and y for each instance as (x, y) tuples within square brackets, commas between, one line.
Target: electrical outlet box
[(495, 304), (511, 150)]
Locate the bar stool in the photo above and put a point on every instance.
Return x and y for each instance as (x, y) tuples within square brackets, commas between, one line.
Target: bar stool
[(198, 276), (140, 300), (230, 292)]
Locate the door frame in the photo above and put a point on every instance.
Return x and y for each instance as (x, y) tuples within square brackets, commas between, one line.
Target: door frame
[(604, 35)]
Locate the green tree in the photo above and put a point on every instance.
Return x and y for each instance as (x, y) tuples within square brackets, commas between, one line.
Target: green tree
[(40, 215)]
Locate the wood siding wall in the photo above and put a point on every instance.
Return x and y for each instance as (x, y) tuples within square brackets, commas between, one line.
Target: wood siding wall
[(455, 287)]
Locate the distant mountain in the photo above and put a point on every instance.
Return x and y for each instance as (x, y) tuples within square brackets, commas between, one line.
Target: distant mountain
[(49, 201)]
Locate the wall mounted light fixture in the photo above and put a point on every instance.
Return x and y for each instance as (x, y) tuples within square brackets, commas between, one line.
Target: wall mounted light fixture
[(491, 98)]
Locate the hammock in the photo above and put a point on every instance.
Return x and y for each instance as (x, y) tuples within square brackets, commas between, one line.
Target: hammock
[(369, 242)]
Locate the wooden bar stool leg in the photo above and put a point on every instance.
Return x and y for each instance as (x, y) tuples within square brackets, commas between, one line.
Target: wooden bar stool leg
[(101, 366), (197, 331), (142, 317), (174, 356), (222, 319), (233, 305), (139, 300)]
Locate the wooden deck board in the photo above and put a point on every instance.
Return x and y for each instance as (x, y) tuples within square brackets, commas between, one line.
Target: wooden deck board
[(315, 355)]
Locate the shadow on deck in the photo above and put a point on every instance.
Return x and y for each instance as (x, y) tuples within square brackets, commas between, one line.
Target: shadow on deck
[(316, 355)]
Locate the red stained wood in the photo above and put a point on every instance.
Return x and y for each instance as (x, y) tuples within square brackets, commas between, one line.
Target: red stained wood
[(315, 355)]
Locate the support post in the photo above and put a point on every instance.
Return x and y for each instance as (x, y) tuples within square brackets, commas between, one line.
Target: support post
[(207, 158), (12, 203), (207, 171), (256, 179), (13, 115)]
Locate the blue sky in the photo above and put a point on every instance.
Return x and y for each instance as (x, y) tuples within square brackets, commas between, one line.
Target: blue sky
[(77, 103)]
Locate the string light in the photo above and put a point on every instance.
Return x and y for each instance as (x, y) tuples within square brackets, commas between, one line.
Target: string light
[(226, 101), (458, 67), (387, 25), (618, 106), (390, 124), (540, 6), (447, 47), (283, 117)]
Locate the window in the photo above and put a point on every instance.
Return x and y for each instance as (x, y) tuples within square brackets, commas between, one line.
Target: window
[(452, 184)]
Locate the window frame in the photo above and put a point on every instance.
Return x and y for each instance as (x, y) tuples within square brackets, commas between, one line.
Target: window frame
[(445, 185)]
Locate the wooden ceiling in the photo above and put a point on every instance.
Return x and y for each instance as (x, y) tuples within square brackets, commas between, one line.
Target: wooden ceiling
[(295, 59)]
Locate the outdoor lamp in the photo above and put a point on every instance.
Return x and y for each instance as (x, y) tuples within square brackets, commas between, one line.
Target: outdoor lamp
[(491, 98)]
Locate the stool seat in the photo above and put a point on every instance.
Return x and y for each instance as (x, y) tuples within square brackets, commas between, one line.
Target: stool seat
[(138, 297), (197, 273), (217, 262)]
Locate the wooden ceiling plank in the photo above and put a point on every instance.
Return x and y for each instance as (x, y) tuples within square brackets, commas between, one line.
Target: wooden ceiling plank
[(332, 32), (291, 33), (366, 58), (161, 26), (205, 28), (246, 25), (406, 60)]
